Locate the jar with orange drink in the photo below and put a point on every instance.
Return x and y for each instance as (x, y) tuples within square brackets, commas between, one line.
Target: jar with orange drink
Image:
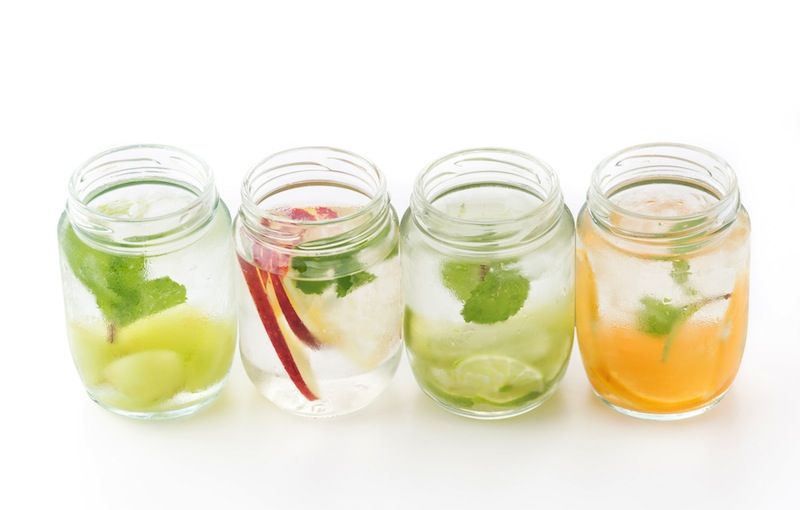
[(662, 280)]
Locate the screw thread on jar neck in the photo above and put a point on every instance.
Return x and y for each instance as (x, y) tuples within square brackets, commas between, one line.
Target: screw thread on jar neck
[(128, 223), (309, 178), (515, 171), (664, 163)]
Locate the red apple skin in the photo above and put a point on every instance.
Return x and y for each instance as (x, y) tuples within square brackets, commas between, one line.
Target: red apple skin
[(257, 285), (295, 322)]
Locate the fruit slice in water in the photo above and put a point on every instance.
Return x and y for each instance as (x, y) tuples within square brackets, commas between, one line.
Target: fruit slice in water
[(258, 284), (147, 377), (92, 351), (339, 323), (300, 358), (495, 378), (206, 345), (296, 324), (276, 265)]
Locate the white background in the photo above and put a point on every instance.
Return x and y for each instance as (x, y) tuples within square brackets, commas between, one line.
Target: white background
[(401, 84)]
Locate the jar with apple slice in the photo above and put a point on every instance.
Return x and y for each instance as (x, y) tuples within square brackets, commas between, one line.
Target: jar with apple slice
[(147, 269), (321, 307)]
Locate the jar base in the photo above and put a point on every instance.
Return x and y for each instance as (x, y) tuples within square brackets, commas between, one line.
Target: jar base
[(198, 401), (681, 415), (339, 396), (492, 415)]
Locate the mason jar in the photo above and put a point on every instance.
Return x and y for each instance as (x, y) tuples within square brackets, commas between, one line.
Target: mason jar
[(488, 255), (662, 280), (321, 306), (147, 271)]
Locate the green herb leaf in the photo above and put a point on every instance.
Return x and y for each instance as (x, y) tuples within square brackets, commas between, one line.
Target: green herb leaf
[(500, 295), (462, 277), (657, 317), (347, 284), (680, 271), (119, 282), (344, 270), (159, 294), (491, 292), (312, 286)]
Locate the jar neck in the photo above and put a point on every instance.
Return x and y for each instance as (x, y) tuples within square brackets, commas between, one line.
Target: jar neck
[(315, 201), (663, 163), (506, 170), (141, 199)]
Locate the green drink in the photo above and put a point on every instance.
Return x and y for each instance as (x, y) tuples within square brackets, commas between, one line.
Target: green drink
[(157, 362), (147, 273), (492, 368), (488, 258)]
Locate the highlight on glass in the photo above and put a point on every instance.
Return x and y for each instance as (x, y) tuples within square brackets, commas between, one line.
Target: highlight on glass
[(147, 269), (320, 316), (662, 280), (488, 250)]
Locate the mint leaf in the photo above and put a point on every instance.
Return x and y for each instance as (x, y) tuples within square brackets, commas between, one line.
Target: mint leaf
[(500, 295), (159, 294), (119, 282), (344, 270), (680, 271), (491, 292), (347, 284), (462, 277), (344, 284), (312, 286), (657, 317)]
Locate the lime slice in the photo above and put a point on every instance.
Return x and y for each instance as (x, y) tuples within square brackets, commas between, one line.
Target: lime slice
[(495, 378)]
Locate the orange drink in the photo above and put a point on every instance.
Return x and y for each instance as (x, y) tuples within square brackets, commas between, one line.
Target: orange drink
[(662, 281)]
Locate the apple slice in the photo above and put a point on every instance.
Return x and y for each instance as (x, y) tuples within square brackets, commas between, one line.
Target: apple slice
[(294, 321), (297, 213), (258, 286), (326, 213), (274, 264)]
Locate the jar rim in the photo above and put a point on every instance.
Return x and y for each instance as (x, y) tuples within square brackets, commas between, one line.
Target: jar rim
[(480, 167), (421, 199), (134, 165), (729, 194), (319, 166), (251, 203), (205, 193)]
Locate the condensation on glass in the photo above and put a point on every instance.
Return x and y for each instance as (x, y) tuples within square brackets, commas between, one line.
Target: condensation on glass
[(488, 257), (147, 268), (662, 280), (321, 305)]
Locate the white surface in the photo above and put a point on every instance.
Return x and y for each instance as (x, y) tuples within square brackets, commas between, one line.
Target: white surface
[(401, 85)]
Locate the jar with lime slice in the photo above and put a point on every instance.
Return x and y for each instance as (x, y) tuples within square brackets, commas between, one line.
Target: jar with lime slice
[(146, 260), (488, 256)]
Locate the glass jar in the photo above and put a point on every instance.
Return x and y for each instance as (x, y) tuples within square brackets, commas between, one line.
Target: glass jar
[(321, 310), (488, 254), (147, 270), (662, 280)]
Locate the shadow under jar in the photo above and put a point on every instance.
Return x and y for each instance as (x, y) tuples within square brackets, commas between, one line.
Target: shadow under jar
[(662, 280), (488, 255), (147, 270), (321, 309)]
